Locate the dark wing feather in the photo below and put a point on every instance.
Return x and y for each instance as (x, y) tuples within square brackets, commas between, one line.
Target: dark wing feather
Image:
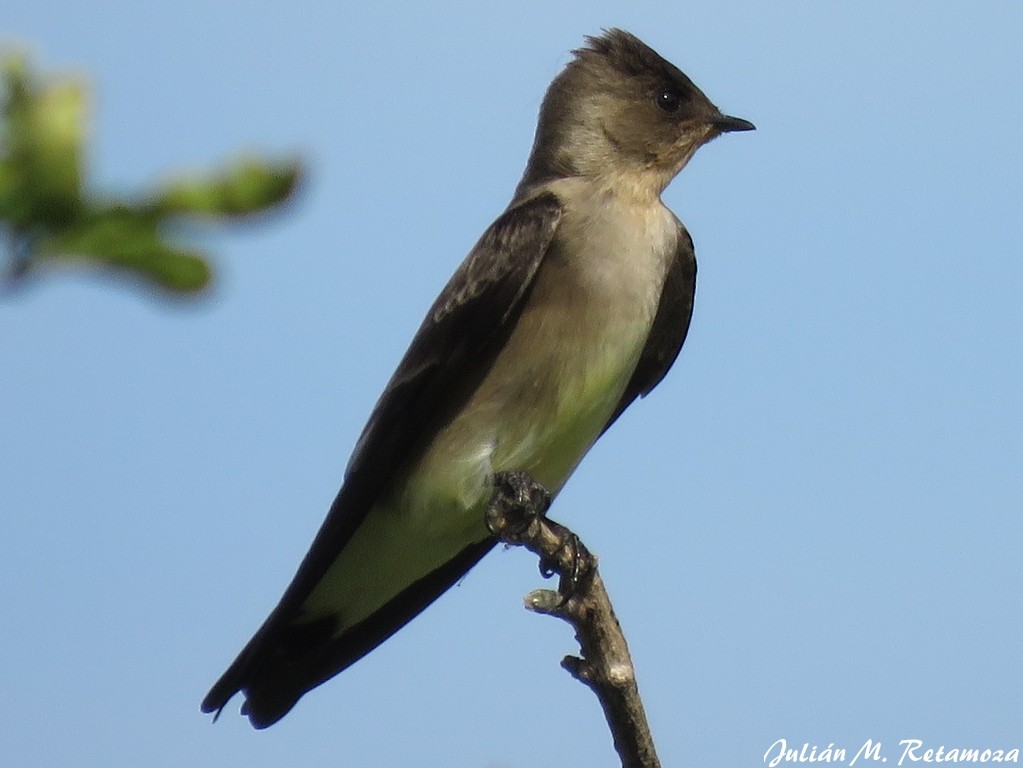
[(670, 326), (447, 359), (304, 656)]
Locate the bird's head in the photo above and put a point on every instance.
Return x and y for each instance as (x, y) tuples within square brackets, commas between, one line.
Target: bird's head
[(620, 108)]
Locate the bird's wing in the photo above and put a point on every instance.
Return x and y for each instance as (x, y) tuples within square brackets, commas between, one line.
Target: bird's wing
[(446, 361), (670, 326)]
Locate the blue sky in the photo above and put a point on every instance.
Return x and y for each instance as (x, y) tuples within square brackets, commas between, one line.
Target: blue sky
[(811, 530)]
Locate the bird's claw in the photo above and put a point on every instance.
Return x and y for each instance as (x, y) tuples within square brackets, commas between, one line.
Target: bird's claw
[(519, 503), (574, 563)]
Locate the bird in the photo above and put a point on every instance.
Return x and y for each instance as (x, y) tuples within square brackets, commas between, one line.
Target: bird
[(574, 303)]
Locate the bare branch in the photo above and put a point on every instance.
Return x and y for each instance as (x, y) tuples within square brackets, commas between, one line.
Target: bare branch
[(516, 516)]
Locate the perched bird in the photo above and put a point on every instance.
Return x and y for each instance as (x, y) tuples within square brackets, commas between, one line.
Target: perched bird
[(572, 304)]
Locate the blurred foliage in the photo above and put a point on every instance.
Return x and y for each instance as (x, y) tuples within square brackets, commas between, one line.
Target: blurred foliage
[(49, 217)]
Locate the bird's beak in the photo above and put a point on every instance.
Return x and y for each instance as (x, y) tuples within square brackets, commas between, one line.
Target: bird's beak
[(727, 123)]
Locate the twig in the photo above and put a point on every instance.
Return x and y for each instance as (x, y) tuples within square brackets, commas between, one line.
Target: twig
[(516, 515)]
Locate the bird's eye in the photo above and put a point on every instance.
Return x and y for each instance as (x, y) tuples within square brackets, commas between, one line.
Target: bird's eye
[(668, 100)]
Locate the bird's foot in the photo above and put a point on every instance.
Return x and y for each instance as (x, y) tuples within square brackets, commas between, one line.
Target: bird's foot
[(517, 514), (518, 502)]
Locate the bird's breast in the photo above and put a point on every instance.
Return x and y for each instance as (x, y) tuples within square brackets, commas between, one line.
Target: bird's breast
[(565, 366)]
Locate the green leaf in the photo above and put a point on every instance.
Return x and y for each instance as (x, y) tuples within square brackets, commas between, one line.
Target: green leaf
[(49, 215), (123, 241), (245, 187), (43, 128)]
